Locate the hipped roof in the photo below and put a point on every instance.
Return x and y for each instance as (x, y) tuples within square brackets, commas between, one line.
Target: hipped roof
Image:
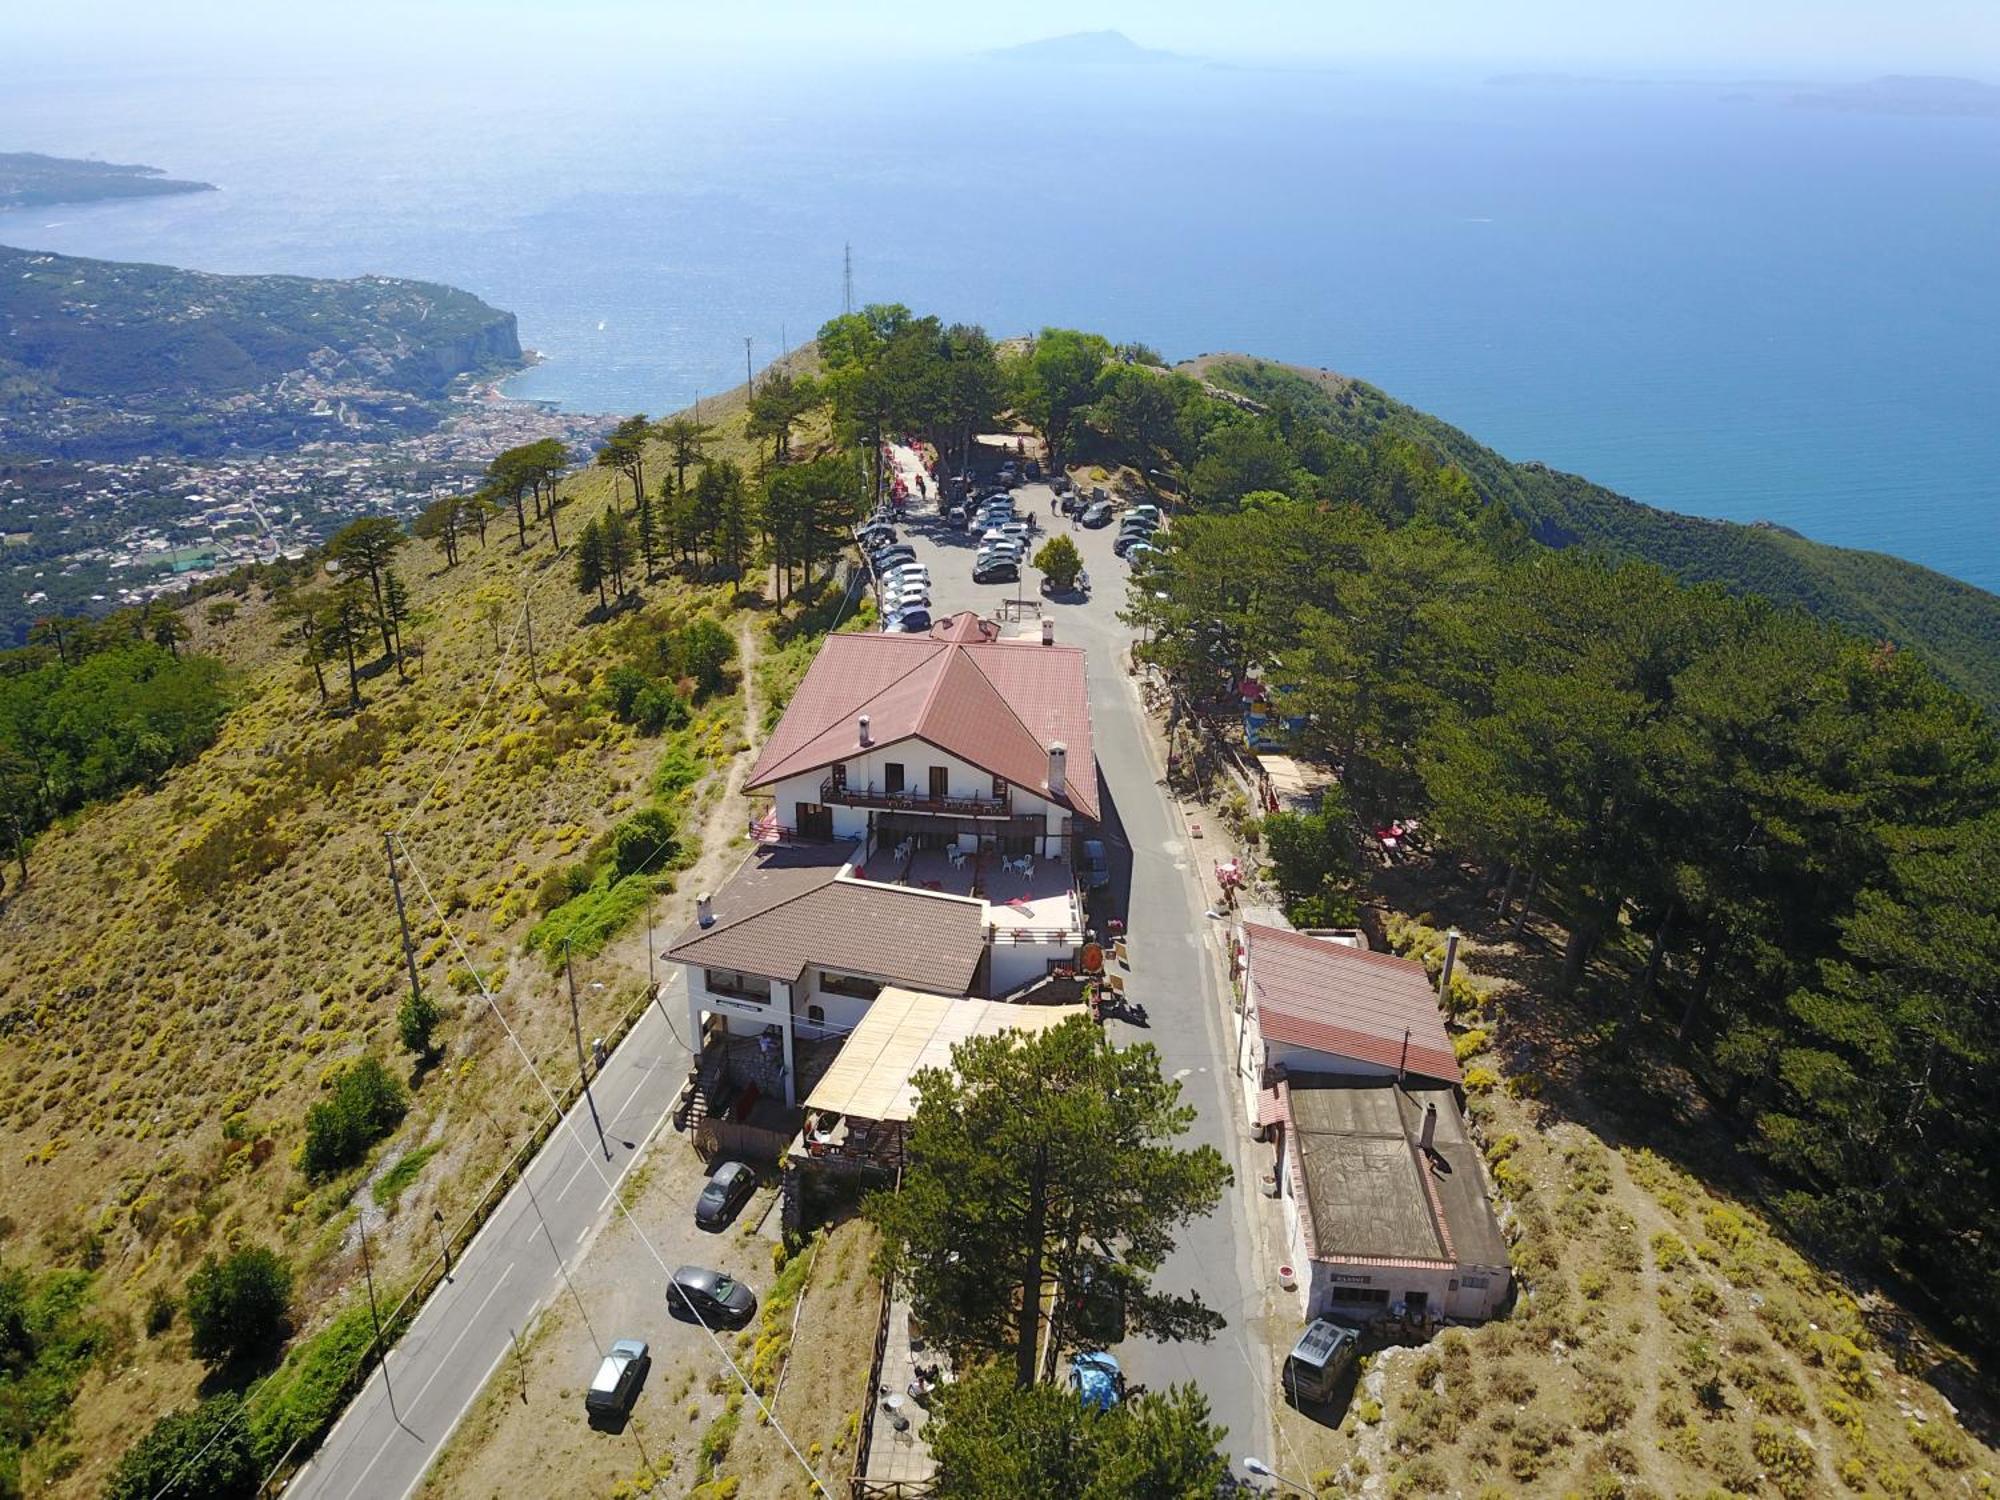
[(996, 703)]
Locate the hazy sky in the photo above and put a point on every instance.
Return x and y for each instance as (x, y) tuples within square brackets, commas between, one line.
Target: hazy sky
[(1861, 37)]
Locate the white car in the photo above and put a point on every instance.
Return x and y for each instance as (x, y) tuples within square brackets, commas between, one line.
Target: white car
[(895, 599)]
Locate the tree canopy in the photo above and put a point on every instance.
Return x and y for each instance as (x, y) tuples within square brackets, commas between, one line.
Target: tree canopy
[(1047, 1161)]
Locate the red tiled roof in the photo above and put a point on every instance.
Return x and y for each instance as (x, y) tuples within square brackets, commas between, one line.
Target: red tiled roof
[(995, 703), (1346, 1001)]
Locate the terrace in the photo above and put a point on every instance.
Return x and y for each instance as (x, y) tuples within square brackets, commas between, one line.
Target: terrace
[(1028, 899), (835, 791)]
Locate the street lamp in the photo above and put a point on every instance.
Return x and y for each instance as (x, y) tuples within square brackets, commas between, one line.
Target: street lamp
[(444, 1241), (1262, 1470)]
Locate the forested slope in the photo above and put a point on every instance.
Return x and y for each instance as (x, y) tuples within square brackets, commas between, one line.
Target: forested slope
[(1952, 625)]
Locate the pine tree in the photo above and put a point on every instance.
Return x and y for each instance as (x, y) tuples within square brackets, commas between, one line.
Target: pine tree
[(590, 563)]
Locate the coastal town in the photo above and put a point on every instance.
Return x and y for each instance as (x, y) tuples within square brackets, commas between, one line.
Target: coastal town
[(92, 535)]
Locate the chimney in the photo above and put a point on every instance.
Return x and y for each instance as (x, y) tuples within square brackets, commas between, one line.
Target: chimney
[(1048, 632), (1058, 756), (1450, 961), (1430, 1129), (704, 910), (861, 725)]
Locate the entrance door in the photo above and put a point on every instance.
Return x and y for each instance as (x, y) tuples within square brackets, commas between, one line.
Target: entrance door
[(815, 821), (940, 783), (1417, 1302)]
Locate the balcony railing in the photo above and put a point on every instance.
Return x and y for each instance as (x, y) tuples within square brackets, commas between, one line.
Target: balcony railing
[(911, 801)]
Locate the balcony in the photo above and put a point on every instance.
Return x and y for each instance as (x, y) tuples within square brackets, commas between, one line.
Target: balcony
[(907, 800)]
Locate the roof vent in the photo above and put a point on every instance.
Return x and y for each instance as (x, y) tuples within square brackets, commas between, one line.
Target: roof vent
[(1058, 756), (1425, 1141), (1048, 632), (861, 728), (704, 910)]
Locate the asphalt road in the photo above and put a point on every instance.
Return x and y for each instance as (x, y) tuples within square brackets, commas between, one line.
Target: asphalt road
[(517, 1262), (1154, 881)]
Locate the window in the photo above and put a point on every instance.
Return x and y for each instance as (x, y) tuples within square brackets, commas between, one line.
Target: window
[(892, 776), (815, 1014), (1475, 1283), (850, 985), (1378, 1295), (740, 986), (940, 783)]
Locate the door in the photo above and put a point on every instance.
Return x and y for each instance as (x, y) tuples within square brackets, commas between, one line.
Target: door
[(815, 821), (940, 783), (892, 777)]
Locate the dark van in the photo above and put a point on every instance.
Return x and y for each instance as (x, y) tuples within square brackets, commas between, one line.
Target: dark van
[(1317, 1361)]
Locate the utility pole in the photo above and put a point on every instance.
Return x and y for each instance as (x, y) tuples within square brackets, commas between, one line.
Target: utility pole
[(582, 1072), (402, 917), (381, 1354), (520, 1363), (847, 278), (749, 376)]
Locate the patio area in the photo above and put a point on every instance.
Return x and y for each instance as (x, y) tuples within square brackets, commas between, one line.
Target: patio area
[(1021, 891)]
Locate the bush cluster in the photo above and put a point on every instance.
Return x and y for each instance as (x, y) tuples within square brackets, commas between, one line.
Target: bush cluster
[(366, 1104)]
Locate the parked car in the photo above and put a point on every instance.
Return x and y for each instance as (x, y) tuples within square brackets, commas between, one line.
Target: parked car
[(1096, 514), (872, 533), (912, 621), (704, 1296), (1140, 549), (1127, 540), (1139, 523), (616, 1384), (728, 1188), (1149, 512), (996, 569), (1008, 547), (890, 557), (905, 599), (1096, 865), (1322, 1355)]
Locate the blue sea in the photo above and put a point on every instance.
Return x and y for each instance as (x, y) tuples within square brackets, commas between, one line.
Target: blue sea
[(1693, 291)]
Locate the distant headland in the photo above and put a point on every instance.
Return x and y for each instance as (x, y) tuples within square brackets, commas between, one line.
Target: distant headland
[(29, 179)]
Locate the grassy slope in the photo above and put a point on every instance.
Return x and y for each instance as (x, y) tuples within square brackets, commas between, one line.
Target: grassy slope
[(1953, 625), (137, 1025)]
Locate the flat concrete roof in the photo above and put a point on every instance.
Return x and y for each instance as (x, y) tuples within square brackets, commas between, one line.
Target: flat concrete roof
[(1371, 1192)]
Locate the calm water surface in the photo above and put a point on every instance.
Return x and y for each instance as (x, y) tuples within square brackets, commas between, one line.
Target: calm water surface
[(1694, 293)]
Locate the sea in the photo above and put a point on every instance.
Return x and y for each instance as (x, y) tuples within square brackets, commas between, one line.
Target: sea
[(1697, 291)]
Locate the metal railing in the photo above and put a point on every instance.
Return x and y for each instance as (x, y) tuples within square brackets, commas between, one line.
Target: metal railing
[(836, 794)]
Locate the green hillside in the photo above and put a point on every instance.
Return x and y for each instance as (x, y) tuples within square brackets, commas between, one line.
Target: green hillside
[(103, 358), (1952, 625)]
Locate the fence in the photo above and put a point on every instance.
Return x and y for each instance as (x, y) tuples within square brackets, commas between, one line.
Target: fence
[(860, 1484), (431, 1275)]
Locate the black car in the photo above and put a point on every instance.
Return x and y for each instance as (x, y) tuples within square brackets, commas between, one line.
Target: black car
[(874, 538), (995, 570), (728, 1188), (1097, 513), (699, 1295), (616, 1385)]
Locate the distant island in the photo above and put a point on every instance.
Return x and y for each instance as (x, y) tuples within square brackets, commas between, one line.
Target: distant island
[(1909, 95), (29, 179), (1084, 48), (103, 359)]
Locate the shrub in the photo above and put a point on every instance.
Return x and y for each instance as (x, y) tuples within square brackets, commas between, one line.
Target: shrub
[(645, 838), (202, 1453), (1939, 1445), (1471, 1044), (304, 1395), (160, 1310), (237, 1307), (1669, 1254), (1481, 1080), (366, 1105), (416, 1020), (1787, 1459)]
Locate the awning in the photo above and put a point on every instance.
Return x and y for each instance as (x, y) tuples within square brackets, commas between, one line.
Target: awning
[(906, 1031)]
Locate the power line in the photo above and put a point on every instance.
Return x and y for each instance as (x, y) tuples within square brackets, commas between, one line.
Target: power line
[(611, 1187)]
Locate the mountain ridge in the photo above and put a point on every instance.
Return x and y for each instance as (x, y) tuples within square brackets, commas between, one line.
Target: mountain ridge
[(1953, 625)]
